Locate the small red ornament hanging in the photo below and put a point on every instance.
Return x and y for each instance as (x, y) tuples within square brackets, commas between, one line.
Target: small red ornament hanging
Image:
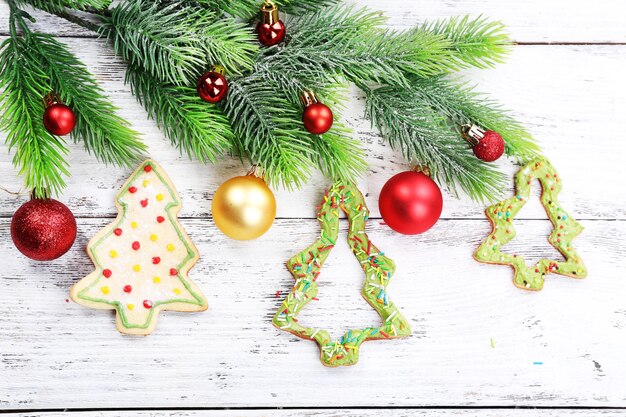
[(270, 30), (43, 229), (212, 86), (410, 202), (317, 117), (58, 118), (487, 145)]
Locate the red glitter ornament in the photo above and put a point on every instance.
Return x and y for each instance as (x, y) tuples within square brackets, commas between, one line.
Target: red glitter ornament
[(270, 30), (317, 117), (58, 118), (410, 203), (212, 86), (43, 229), (487, 145)]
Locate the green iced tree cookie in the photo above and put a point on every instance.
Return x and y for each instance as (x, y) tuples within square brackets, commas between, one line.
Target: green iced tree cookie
[(565, 229), (306, 266)]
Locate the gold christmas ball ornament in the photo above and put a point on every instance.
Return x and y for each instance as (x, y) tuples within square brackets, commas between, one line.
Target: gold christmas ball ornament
[(244, 208)]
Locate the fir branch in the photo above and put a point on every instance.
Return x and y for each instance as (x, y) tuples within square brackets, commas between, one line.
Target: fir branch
[(354, 43), (195, 127), (266, 131), (159, 40), (423, 137), (174, 43), (61, 5), (269, 131), (103, 133), (462, 105), (248, 9), (39, 156), (475, 42)]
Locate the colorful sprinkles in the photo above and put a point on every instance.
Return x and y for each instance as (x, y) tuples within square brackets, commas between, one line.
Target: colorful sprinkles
[(565, 229), (131, 263), (306, 267)]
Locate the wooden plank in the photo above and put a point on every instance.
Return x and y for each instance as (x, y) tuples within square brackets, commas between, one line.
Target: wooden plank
[(336, 413), (477, 340), (569, 102), (536, 21)]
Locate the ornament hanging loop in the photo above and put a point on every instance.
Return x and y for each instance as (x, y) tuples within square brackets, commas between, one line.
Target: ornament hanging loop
[(254, 171), (218, 69), (40, 194), (423, 169), (472, 134), (308, 97), (269, 13), (50, 99)]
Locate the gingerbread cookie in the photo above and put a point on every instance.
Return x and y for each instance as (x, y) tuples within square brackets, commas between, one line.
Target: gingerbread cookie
[(143, 257), (306, 266), (565, 229)]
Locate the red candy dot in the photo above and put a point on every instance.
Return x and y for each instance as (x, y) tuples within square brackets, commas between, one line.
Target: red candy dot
[(160, 219), (118, 232), (147, 304), (136, 245), (173, 272), (144, 203), (127, 288), (107, 273), (147, 168), (132, 189), (156, 260)]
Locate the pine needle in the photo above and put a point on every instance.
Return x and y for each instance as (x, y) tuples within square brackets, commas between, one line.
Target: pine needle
[(39, 156), (104, 134)]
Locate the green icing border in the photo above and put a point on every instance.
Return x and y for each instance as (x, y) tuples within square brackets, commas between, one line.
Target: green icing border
[(199, 300), (565, 229), (306, 266)]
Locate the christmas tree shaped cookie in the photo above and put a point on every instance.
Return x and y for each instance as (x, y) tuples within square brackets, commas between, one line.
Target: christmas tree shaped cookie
[(306, 266), (143, 257), (565, 229)]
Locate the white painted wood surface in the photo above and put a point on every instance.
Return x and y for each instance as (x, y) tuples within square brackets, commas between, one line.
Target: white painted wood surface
[(56, 355), (338, 413)]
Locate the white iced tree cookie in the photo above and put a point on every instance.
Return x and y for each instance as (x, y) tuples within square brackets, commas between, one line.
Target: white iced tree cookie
[(143, 257)]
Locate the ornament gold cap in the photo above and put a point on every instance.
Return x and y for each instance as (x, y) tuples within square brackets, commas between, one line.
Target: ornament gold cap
[(269, 12), (40, 194), (423, 169), (308, 97), (472, 134), (218, 69), (50, 99)]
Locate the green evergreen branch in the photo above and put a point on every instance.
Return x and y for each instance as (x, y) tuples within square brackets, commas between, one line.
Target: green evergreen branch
[(268, 130), (462, 105), (62, 5), (248, 9), (103, 133), (423, 137), (195, 127), (175, 44), (475, 42), (39, 156)]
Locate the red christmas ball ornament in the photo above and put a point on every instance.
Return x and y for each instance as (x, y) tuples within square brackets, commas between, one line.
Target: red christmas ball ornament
[(212, 86), (270, 30), (410, 202), (487, 145), (58, 118), (43, 229), (317, 117)]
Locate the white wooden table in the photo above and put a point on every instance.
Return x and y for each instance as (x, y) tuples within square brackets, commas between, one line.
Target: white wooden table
[(480, 346)]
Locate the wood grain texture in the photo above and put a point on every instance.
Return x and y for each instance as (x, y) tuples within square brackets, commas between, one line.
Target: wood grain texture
[(477, 340), (336, 413), (232, 356), (531, 21)]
